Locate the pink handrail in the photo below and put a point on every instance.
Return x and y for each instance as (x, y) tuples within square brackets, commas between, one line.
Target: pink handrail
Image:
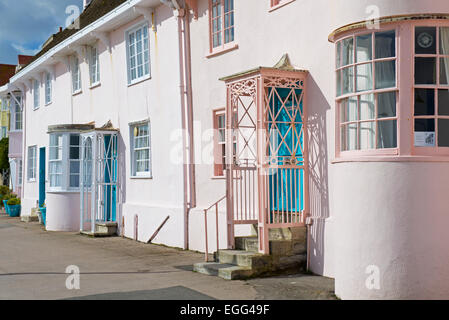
[(216, 226)]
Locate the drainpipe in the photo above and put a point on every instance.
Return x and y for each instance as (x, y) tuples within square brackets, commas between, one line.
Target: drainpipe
[(185, 88)]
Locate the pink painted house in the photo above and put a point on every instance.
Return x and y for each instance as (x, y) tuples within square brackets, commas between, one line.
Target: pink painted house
[(196, 123)]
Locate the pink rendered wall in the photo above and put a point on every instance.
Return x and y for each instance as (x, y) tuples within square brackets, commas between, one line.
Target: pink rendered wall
[(301, 29)]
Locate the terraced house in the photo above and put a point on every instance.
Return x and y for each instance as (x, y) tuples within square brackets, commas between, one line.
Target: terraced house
[(288, 134)]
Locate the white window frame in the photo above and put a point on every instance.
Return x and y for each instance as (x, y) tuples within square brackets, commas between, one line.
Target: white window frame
[(65, 161), (36, 94), (16, 114), (4, 132), (76, 75), (94, 66), (145, 54), (48, 88), (31, 163), (134, 173), (4, 104), (19, 172)]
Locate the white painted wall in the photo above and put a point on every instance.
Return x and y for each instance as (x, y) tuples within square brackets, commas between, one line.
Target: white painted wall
[(157, 99)]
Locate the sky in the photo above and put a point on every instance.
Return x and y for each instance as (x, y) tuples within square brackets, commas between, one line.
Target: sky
[(26, 24)]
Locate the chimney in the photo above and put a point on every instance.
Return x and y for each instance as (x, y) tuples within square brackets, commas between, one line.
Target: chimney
[(86, 3)]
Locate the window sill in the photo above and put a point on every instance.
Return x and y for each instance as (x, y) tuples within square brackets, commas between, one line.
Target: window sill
[(31, 180), (63, 191), (218, 177), (137, 81), (77, 92), (392, 158), (95, 85), (35, 108), (48, 103), (222, 50), (149, 177), (280, 5)]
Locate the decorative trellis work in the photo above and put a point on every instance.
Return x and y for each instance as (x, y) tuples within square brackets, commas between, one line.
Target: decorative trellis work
[(267, 179)]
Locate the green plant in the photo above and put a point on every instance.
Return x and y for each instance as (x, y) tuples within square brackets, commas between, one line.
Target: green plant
[(4, 190), (13, 202)]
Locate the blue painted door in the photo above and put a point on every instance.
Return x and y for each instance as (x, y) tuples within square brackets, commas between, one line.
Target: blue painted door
[(110, 178), (286, 150), (42, 159)]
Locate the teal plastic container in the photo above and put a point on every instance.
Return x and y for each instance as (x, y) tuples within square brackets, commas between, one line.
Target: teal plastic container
[(14, 211), (44, 215), (5, 203)]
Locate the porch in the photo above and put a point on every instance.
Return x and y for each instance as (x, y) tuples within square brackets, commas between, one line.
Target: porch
[(266, 174)]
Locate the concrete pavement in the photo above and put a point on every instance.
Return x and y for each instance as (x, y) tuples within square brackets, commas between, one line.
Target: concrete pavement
[(33, 263)]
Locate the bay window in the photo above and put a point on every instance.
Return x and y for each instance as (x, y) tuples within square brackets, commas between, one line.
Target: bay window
[(64, 161), (367, 93)]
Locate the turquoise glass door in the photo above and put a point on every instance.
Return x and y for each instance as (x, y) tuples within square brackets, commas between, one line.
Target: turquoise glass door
[(110, 178), (286, 146)]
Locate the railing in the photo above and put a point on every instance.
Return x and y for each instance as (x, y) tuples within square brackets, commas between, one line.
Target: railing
[(216, 226)]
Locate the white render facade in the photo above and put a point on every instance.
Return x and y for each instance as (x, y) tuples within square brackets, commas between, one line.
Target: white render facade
[(363, 213)]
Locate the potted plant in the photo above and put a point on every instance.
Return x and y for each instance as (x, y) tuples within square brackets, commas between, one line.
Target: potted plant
[(43, 214), (4, 192), (14, 207), (5, 200)]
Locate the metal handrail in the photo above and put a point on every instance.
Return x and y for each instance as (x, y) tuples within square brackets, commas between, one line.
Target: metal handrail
[(216, 226)]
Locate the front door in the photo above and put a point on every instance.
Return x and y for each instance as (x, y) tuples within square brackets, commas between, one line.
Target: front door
[(286, 154)]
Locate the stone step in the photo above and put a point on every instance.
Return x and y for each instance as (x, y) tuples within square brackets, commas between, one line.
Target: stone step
[(223, 270), (247, 243), (292, 233), (109, 228), (255, 261), (277, 247)]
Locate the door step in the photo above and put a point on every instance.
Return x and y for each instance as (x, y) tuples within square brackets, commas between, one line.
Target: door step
[(287, 255), (102, 229)]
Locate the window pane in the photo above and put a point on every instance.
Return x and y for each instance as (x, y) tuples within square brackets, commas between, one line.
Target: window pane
[(424, 125), (444, 71), (443, 102), (424, 102), (348, 80), (443, 132), (367, 135), (74, 181), (339, 83), (367, 107), (385, 74), (444, 40), (386, 105), (364, 80), (349, 137), (338, 62), (425, 71), (425, 40), (387, 134), (348, 51), (364, 48), (349, 110), (385, 44), (74, 167)]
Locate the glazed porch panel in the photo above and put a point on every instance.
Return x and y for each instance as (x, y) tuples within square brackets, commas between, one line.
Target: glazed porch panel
[(99, 178)]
